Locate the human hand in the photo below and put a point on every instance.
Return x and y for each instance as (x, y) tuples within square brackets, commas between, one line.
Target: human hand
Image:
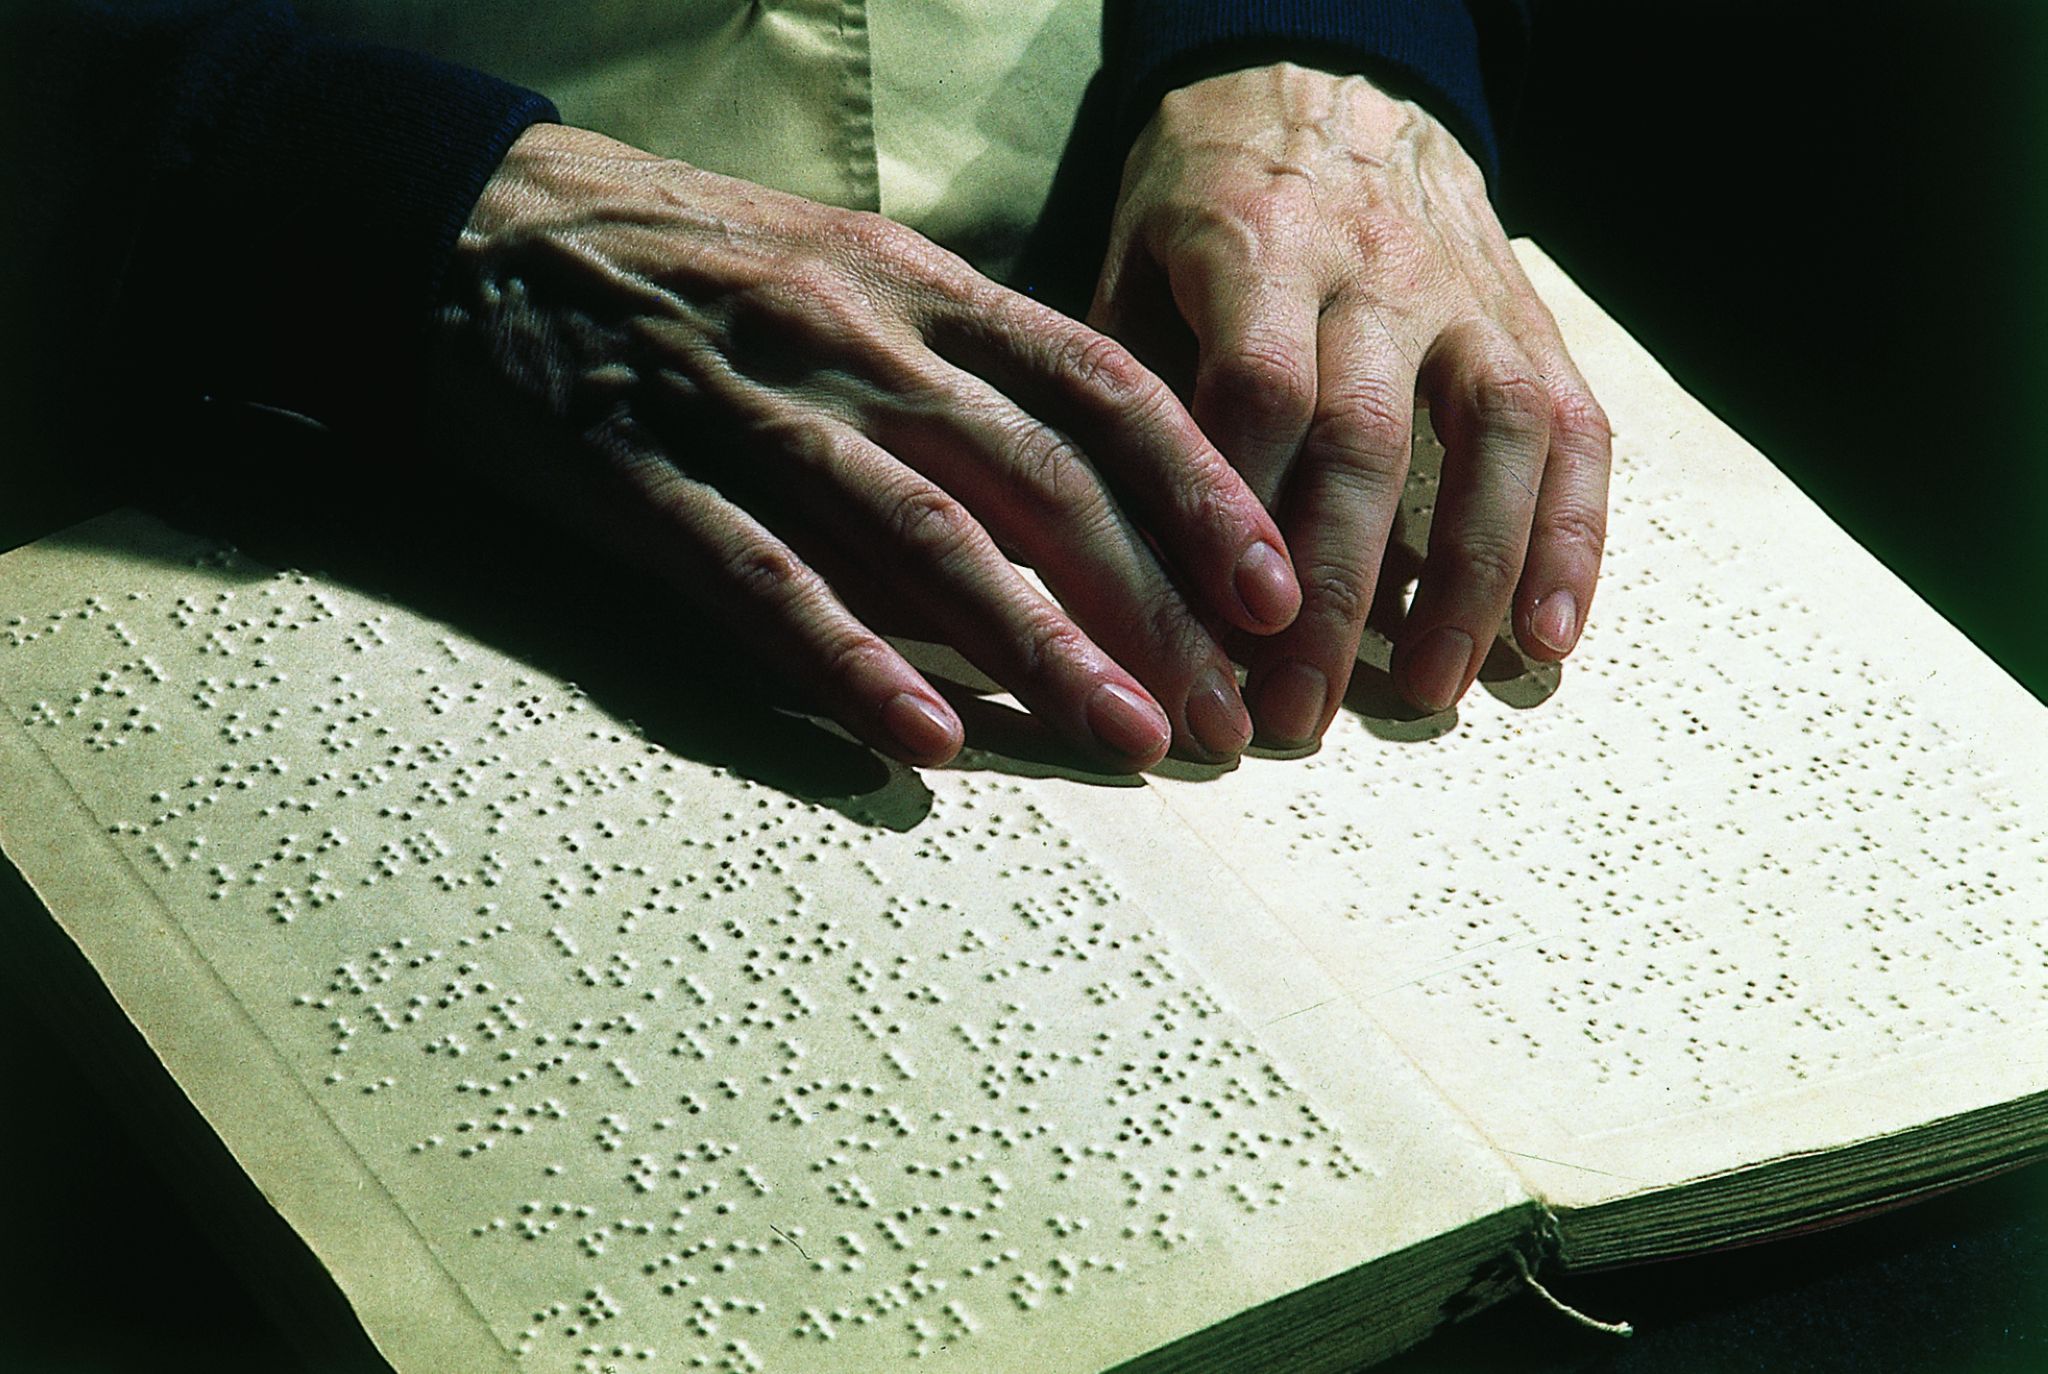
[(808, 419), (1333, 254)]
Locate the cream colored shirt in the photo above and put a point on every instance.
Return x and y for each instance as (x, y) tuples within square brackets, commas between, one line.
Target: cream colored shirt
[(948, 115)]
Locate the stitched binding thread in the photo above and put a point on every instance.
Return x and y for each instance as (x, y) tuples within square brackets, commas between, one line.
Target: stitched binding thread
[(1549, 1242), (1590, 1323)]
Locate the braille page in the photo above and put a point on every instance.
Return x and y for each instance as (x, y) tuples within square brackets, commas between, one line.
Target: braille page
[(567, 1051), (1766, 873)]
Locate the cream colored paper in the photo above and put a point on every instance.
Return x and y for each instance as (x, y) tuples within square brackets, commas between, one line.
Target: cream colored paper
[(1768, 873), (1774, 807), (556, 1045)]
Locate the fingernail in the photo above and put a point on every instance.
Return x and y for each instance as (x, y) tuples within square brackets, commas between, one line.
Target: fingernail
[(1555, 620), (1216, 713), (920, 727), (1291, 702), (1126, 723), (1436, 670), (1266, 586)]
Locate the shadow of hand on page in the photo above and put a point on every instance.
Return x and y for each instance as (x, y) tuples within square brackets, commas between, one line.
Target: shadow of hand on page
[(1000, 737), (470, 557), (501, 574)]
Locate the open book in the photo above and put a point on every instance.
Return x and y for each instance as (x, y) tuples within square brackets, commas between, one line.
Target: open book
[(567, 1047)]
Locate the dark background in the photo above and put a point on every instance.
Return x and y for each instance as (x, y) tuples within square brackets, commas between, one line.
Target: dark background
[(1829, 223)]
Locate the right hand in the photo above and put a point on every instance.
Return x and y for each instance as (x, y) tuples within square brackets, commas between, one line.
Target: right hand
[(799, 416)]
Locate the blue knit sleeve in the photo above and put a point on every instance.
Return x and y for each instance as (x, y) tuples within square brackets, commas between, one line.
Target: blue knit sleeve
[(276, 207)]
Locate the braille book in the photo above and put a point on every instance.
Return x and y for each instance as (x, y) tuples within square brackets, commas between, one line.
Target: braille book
[(571, 1038)]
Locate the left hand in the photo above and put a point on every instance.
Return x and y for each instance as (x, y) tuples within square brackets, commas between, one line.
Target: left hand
[(1334, 256)]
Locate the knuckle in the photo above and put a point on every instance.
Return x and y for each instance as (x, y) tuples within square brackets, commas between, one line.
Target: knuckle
[(1335, 593), (1507, 396), (1205, 498), (1045, 645), (1488, 561), (865, 232), (1168, 630), (1578, 524), (851, 658), (1097, 363), (1363, 433), (1370, 411), (932, 524), (1575, 415), (1390, 240), (1050, 477), (1227, 231), (1481, 560), (766, 572), (1265, 382)]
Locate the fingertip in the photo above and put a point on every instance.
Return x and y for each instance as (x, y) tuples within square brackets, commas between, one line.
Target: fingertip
[(1433, 671), (923, 731), (1267, 589), (1554, 624), (1216, 716), (1129, 725), (1289, 703)]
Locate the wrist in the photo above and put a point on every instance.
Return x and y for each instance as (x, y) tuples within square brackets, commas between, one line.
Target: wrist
[(1284, 113), (1427, 51), (548, 164)]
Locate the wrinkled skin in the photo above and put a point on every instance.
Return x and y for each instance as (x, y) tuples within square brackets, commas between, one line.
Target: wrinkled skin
[(809, 420), (1327, 254), (816, 424)]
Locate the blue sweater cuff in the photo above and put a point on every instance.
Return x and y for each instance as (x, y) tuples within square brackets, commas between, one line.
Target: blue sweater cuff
[(311, 201)]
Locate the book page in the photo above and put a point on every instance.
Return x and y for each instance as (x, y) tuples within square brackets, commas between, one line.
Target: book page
[(568, 1048), (1763, 871)]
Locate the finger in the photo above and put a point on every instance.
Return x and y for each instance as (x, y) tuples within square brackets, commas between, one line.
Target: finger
[(1337, 512), (1493, 415), (1570, 528), (1211, 529), (925, 547), (918, 546), (1038, 497), (1134, 305), (716, 554), (1256, 372)]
